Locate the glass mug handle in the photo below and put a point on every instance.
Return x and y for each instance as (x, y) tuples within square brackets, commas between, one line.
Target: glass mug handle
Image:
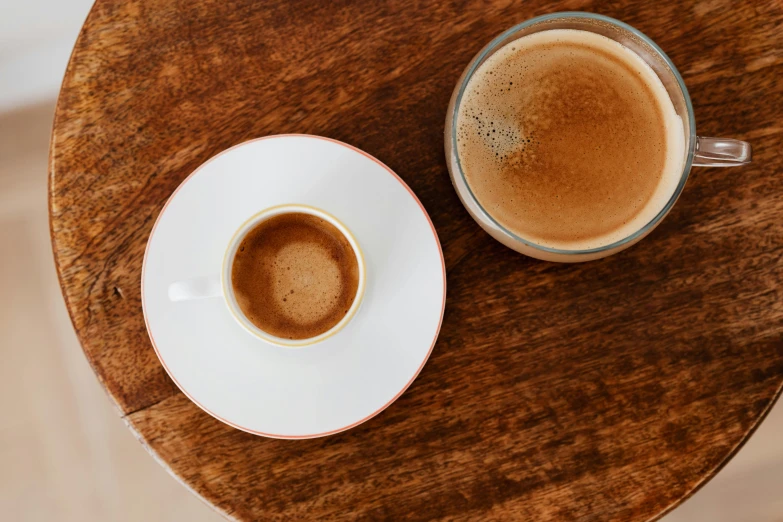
[(721, 152), (196, 288)]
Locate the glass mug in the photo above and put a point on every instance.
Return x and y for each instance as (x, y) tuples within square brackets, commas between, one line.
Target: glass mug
[(699, 151)]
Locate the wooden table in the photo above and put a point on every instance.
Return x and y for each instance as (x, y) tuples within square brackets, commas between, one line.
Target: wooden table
[(604, 391)]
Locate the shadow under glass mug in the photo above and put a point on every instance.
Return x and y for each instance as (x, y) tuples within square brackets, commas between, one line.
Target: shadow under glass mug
[(699, 151)]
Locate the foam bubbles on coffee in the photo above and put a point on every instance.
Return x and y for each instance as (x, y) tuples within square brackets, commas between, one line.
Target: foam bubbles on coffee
[(569, 139)]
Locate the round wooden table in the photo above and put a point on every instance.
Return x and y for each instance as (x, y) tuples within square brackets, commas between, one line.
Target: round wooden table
[(609, 390)]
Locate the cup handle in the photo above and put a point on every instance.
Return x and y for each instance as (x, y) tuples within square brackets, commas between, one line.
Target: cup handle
[(721, 152), (197, 288)]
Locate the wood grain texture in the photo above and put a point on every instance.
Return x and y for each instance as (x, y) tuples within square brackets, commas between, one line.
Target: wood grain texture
[(606, 391)]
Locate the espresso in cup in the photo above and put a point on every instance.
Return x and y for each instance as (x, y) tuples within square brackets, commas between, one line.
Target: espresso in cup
[(569, 139), (295, 275)]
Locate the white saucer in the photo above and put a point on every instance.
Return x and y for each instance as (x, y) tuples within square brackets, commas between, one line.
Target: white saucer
[(321, 389)]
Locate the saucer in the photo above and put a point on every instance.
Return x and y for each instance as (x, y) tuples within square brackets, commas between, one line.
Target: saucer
[(319, 389)]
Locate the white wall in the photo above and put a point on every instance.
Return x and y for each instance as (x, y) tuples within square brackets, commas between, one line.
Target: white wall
[(36, 38)]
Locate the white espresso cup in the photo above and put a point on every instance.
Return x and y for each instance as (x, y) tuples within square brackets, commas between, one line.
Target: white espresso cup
[(220, 285)]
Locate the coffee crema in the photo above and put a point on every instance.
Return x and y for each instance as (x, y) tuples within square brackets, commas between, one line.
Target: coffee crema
[(569, 139), (295, 275)]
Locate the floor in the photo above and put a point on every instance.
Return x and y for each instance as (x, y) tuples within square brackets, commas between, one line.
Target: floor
[(65, 454)]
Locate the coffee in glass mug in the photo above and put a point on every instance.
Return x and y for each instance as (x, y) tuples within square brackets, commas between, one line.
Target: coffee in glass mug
[(570, 136)]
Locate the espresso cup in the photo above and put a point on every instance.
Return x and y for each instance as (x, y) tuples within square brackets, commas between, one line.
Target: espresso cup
[(221, 285), (697, 150)]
